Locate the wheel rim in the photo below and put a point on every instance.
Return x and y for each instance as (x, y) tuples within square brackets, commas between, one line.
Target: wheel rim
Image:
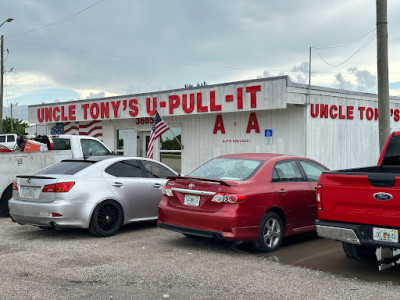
[(272, 233), (107, 217)]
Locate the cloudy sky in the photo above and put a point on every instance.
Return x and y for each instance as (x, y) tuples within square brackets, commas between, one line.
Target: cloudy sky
[(68, 50)]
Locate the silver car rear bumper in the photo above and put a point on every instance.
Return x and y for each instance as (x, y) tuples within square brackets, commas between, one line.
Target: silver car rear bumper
[(40, 214)]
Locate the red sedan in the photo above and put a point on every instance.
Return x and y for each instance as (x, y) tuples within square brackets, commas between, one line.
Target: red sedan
[(257, 197)]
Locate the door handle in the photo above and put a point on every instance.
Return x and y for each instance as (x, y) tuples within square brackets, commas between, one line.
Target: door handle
[(282, 191), (157, 185), (118, 184)]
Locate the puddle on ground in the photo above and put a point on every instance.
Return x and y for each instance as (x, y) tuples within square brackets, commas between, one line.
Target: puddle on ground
[(326, 255)]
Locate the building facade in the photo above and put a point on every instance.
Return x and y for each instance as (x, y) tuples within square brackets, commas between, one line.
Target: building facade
[(336, 127)]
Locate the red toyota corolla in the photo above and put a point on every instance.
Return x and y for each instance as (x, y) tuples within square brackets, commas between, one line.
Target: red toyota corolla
[(257, 197)]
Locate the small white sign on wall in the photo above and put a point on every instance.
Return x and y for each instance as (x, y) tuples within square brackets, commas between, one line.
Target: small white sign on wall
[(268, 136)]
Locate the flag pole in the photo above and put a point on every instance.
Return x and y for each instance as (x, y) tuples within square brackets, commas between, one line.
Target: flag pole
[(180, 145)]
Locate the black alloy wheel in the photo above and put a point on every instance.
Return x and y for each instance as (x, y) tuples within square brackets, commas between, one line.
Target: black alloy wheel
[(106, 219)]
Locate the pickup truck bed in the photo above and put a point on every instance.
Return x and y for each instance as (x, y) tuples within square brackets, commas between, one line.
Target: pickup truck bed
[(361, 206)]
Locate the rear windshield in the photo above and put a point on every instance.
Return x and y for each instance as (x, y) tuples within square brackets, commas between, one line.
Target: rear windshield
[(392, 154), (61, 144), (228, 169), (66, 167)]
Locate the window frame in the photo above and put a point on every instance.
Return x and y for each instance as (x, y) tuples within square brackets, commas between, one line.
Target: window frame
[(146, 173), (311, 162), (296, 164), (125, 161)]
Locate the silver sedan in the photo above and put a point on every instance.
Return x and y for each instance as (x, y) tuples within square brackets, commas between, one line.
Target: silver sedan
[(98, 193)]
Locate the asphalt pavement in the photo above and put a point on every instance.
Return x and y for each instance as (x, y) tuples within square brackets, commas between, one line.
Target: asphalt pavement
[(145, 262)]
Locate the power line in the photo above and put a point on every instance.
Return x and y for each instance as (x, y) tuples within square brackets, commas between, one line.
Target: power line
[(344, 45), (63, 20), (191, 64), (130, 58), (346, 60)]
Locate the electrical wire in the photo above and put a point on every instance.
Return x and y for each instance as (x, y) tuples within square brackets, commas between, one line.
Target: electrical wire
[(63, 20), (346, 60), (128, 57), (344, 45)]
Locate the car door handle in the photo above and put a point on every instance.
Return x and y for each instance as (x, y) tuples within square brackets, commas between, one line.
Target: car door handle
[(157, 185), (282, 191), (118, 184)]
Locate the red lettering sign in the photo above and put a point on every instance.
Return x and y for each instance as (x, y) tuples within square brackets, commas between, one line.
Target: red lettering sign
[(188, 108), (219, 125), (200, 107), (253, 94), (133, 106), (174, 102), (253, 123)]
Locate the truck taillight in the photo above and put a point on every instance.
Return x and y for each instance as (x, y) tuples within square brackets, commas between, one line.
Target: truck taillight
[(15, 186), (227, 198), (167, 191), (61, 187), (319, 196)]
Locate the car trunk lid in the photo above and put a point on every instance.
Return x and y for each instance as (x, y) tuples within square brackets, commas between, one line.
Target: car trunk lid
[(196, 193), (30, 188)]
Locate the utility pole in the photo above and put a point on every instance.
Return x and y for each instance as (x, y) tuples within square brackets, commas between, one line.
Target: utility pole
[(12, 125), (1, 75), (383, 71)]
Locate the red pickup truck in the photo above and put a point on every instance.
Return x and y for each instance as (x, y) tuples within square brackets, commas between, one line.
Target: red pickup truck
[(361, 207)]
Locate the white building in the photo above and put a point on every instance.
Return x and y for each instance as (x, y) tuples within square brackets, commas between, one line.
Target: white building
[(338, 128)]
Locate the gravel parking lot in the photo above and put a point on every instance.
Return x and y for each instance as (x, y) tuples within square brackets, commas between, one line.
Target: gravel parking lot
[(145, 262)]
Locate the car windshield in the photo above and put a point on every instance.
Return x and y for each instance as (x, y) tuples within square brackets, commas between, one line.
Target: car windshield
[(66, 167), (228, 169)]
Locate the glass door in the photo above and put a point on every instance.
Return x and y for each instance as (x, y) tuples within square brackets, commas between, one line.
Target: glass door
[(126, 142)]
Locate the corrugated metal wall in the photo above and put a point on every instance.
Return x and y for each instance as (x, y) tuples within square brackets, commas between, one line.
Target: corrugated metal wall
[(200, 144)]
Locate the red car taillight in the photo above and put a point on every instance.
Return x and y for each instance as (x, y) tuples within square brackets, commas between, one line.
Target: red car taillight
[(166, 191), (61, 187), (319, 196), (227, 198), (15, 186)]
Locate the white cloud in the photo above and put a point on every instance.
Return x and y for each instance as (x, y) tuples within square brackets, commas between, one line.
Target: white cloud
[(356, 80), (124, 47)]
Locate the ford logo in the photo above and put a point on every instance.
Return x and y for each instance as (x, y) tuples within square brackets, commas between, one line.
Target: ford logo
[(191, 186), (383, 196)]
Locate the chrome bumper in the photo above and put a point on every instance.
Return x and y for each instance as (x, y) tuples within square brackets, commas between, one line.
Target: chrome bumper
[(339, 234)]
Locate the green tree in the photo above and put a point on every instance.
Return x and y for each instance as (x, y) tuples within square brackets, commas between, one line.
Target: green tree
[(18, 125), (173, 144)]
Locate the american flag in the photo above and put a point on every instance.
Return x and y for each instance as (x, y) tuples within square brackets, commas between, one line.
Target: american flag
[(158, 128), (93, 128)]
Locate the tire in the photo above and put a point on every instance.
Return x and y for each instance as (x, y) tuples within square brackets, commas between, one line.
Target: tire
[(4, 211), (358, 252), (270, 233), (106, 219)]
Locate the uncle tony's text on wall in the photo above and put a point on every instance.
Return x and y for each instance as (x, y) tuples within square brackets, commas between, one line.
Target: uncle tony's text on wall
[(341, 112)]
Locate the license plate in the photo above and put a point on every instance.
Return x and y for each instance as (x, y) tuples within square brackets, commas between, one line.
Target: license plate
[(386, 235), (29, 192), (192, 200)]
